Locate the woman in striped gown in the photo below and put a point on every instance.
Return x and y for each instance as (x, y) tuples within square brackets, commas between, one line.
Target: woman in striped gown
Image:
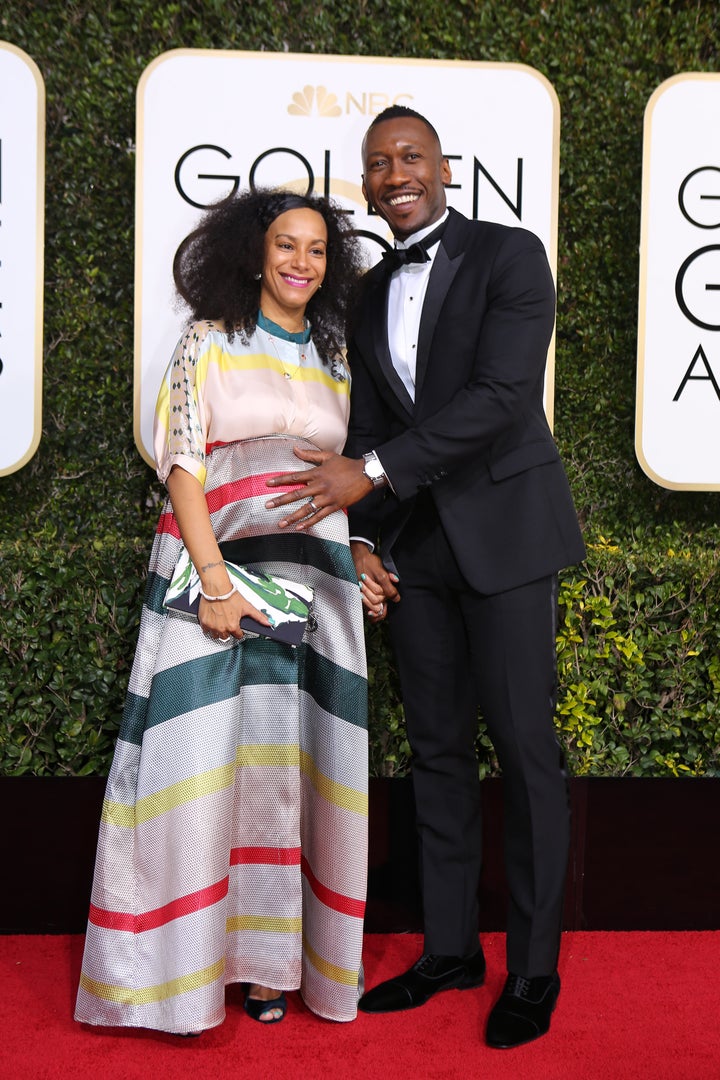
[(233, 837)]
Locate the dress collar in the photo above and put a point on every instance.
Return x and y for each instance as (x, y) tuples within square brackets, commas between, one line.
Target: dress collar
[(270, 327)]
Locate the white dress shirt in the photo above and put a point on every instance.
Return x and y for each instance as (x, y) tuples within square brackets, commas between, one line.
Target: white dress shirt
[(406, 295)]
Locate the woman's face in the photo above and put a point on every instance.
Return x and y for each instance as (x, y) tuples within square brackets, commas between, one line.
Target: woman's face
[(295, 261)]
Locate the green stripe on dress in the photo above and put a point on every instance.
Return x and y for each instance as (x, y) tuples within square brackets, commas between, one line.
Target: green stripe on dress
[(338, 691), (327, 556), (209, 680)]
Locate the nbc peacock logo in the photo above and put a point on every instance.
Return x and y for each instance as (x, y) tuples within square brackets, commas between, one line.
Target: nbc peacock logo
[(314, 99)]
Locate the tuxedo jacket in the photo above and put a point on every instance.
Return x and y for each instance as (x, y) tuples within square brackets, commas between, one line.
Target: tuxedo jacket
[(476, 436)]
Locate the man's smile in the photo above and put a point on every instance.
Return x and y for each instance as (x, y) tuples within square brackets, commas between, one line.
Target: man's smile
[(402, 199)]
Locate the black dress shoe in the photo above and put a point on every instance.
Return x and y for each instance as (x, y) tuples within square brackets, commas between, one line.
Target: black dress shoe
[(426, 977), (523, 1010)]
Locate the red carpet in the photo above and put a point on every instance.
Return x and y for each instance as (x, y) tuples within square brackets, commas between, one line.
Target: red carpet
[(643, 1005)]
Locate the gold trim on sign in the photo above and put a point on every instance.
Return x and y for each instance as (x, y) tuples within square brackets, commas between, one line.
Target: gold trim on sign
[(34, 70), (657, 94)]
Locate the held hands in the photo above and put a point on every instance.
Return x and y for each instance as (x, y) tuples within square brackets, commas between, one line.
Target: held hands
[(337, 482), (377, 586), (220, 619)]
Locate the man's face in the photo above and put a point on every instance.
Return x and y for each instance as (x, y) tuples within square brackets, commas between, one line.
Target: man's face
[(405, 174)]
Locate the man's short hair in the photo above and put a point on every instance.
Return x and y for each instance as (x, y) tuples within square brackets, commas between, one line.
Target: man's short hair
[(402, 112)]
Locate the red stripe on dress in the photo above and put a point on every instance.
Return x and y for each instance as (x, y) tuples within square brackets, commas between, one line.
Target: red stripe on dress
[(247, 488), (151, 920), (346, 905), (264, 856), (168, 524)]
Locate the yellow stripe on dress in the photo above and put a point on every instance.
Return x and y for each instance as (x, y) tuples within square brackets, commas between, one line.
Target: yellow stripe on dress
[(346, 798), (274, 755), (122, 995), (329, 971), (256, 755), (289, 756), (162, 405), (195, 787), (271, 924), (267, 362)]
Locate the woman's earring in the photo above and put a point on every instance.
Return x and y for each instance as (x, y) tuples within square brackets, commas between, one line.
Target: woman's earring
[(257, 276)]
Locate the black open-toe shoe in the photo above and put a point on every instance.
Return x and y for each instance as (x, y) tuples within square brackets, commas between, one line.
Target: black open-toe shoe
[(255, 1008)]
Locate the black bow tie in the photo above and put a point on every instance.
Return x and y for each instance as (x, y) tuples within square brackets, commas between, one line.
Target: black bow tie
[(416, 253), (396, 257)]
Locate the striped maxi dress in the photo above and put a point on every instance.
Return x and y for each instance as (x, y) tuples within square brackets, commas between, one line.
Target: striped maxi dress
[(233, 838)]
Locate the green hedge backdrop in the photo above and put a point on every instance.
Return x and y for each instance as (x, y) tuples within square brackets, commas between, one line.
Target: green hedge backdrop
[(638, 643)]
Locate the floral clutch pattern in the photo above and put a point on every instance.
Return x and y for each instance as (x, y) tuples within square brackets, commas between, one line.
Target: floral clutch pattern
[(287, 604)]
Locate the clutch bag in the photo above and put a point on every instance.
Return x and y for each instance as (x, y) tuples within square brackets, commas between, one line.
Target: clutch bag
[(287, 604)]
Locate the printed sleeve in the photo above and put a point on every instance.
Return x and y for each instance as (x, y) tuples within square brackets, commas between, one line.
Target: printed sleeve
[(179, 435)]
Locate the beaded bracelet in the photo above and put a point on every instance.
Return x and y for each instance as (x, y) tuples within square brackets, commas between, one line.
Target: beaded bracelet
[(212, 599)]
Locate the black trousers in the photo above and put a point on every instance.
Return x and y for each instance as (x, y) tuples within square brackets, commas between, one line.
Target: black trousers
[(455, 650)]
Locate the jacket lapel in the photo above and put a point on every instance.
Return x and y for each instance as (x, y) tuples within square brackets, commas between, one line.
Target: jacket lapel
[(447, 262), (381, 348)]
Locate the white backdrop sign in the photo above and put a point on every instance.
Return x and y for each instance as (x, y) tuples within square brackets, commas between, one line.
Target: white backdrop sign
[(211, 122), (677, 419), (22, 216)]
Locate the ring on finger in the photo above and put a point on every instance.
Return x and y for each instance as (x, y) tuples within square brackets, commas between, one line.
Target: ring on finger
[(225, 640), (313, 507)]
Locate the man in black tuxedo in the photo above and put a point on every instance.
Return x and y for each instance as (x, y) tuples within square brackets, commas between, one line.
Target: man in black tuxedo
[(462, 517)]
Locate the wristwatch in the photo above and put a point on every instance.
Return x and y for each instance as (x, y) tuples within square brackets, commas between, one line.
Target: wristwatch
[(373, 470)]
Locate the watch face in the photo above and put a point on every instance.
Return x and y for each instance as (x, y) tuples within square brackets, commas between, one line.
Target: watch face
[(373, 470)]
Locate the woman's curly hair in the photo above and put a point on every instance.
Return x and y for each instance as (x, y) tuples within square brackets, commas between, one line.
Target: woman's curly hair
[(217, 267)]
